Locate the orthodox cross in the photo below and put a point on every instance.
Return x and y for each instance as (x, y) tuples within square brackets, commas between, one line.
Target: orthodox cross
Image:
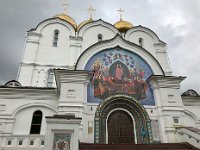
[(120, 12), (91, 11), (65, 5)]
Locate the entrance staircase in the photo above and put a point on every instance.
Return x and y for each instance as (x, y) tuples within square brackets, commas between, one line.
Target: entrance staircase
[(163, 146)]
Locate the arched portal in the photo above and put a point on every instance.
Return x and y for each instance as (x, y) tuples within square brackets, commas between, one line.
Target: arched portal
[(120, 128), (104, 111)]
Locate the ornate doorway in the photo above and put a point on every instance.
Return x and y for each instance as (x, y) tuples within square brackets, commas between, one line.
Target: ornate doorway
[(106, 118), (120, 128)]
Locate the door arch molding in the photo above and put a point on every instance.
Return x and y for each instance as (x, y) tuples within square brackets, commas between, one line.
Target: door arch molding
[(120, 128), (139, 113), (132, 118)]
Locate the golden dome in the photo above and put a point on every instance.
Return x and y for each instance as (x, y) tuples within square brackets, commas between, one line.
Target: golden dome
[(68, 19), (84, 22), (123, 26)]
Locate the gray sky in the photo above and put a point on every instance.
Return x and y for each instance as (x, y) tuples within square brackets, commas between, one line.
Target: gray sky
[(176, 22)]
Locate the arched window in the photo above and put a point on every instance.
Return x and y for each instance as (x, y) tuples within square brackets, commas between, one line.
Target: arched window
[(36, 122), (100, 37), (141, 42), (55, 38)]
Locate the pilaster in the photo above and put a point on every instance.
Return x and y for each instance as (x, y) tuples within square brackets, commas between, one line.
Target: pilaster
[(169, 104), (72, 88), (62, 132)]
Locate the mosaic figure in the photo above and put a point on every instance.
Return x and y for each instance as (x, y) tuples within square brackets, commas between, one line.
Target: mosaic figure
[(118, 71)]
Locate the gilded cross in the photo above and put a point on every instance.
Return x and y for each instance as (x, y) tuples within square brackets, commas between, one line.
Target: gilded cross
[(120, 12), (91, 11)]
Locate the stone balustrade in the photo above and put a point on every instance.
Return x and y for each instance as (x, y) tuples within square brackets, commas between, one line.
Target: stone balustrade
[(27, 142)]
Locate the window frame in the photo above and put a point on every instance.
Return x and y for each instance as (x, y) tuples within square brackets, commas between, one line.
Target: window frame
[(36, 122), (141, 42), (100, 37), (55, 38)]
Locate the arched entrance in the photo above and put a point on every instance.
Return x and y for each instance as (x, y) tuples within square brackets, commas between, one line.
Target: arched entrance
[(120, 128), (109, 112)]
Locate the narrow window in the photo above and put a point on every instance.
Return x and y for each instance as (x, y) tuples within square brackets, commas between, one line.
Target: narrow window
[(50, 78), (55, 38), (141, 42), (9, 142), (42, 142), (31, 142), (20, 142), (176, 120), (36, 122), (100, 37)]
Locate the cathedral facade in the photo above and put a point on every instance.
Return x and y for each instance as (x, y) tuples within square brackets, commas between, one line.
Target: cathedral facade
[(95, 83)]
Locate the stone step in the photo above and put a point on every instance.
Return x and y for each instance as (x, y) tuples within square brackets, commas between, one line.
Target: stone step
[(163, 146)]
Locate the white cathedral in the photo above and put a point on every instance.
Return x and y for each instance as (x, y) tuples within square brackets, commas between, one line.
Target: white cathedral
[(95, 82)]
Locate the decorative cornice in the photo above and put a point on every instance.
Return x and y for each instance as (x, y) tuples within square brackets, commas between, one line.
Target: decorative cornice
[(32, 93), (191, 100), (160, 81), (46, 65), (72, 76), (32, 33), (31, 41), (60, 120)]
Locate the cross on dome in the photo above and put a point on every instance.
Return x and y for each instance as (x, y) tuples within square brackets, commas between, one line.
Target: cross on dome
[(65, 6), (91, 11), (120, 12), (122, 25), (66, 17)]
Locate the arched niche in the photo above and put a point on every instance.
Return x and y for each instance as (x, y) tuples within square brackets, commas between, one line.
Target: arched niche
[(142, 134)]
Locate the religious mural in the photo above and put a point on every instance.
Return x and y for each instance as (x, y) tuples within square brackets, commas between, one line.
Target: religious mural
[(119, 71), (61, 141)]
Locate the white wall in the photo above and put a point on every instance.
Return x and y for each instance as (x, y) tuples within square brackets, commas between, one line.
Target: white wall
[(148, 40), (90, 35), (39, 51), (48, 54), (152, 44), (23, 120)]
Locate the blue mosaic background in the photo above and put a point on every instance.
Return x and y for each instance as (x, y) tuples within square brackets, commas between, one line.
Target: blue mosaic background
[(119, 71)]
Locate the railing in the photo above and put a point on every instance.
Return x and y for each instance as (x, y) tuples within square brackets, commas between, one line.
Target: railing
[(189, 135), (27, 142)]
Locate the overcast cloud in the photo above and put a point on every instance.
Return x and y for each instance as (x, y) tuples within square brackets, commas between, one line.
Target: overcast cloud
[(176, 22)]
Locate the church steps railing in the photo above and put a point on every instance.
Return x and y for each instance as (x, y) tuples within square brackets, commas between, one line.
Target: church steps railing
[(188, 134)]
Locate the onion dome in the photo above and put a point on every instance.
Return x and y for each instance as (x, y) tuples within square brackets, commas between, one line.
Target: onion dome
[(67, 19), (84, 22), (123, 26)]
